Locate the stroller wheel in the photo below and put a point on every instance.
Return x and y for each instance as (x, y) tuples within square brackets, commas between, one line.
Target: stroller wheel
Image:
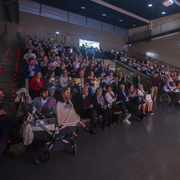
[(74, 147), (42, 155)]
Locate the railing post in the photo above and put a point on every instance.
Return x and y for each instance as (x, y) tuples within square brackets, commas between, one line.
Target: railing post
[(27, 84)]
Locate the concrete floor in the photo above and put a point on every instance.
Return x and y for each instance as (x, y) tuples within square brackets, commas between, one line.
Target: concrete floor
[(147, 150)]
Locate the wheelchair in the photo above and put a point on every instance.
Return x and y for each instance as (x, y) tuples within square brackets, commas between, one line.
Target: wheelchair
[(165, 99)]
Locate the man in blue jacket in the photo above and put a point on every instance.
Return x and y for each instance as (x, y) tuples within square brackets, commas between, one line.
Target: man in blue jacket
[(30, 68)]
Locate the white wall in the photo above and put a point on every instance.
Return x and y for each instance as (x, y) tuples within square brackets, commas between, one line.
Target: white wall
[(165, 49), (46, 27)]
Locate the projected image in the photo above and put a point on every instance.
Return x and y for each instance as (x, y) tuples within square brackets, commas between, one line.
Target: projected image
[(88, 44)]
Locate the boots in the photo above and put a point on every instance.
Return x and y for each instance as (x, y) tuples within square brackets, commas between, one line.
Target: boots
[(92, 130)]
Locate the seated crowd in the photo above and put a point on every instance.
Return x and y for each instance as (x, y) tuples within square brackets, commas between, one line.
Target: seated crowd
[(151, 69), (94, 89), (56, 73)]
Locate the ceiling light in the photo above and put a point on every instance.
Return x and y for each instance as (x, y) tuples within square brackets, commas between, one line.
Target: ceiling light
[(121, 20), (168, 3), (57, 32), (163, 12), (134, 24), (103, 14), (149, 5), (82, 7)]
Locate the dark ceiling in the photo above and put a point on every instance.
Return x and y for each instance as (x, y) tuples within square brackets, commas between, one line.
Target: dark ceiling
[(140, 10)]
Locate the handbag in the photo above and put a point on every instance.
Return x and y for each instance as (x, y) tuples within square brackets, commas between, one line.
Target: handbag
[(148, 97)]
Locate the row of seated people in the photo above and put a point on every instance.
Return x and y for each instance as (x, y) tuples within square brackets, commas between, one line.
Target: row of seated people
[(54, 82), (173, 90), (104, 102), (149, 67)]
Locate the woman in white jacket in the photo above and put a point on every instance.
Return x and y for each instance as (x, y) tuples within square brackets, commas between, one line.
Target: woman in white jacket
[(111, 99)]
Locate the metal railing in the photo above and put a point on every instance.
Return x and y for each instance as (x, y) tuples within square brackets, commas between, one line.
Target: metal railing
[(158, 62), (156, 31)]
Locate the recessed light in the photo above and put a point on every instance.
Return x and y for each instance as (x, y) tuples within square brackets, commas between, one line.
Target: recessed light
[(163, 12), (134, 24), (57, 32), (103, 14), (121, 20), (150, 5), (82, 7)]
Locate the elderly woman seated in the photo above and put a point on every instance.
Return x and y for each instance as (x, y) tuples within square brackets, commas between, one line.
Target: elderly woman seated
[(137, 99), (149, 102), (102, 107)]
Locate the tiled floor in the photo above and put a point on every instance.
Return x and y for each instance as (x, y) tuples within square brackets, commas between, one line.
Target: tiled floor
[(147, 150)]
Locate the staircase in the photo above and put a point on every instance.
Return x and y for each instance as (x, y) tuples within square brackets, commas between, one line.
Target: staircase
[(11, 78)]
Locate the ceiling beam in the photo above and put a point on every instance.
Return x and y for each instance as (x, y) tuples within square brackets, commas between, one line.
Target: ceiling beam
[(121, 10)]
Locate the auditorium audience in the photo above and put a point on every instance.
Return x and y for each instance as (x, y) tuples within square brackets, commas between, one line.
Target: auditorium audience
[(30, 68), (103, 108), (7, 121), (36, 84), (111, 99), (149, 102), (124, 96), (85, 108)]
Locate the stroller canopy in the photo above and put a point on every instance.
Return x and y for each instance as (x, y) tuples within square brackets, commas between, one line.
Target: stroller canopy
[(66, 115)]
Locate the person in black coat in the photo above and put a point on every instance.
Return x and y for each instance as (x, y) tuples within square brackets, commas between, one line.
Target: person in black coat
[(85, 108), (7, 121), (123, 96), (102, 107)]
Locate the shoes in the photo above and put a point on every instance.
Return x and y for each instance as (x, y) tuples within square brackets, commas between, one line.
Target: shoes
[(141, 117), (151, 113), (85, 127), (92, 131), (126, 121), (110, 125), (145, 115), (127, 117), (104, 128)]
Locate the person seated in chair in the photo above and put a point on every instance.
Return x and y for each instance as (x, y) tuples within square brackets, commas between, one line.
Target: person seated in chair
[(111, 99), (36, 83), (102, 107), (30, 68), (168, 89), (7, 117), (149, 102), (65, 80), (40, 103), (85, 108), (123, 96), (65, 97)]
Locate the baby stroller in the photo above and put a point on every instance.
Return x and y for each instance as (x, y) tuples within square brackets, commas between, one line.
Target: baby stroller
[(56, 133)]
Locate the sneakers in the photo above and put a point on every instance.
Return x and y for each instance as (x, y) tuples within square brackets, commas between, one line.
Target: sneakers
[(150, 113), (110, 125), (92, 131), (104, 128), (128, 116), (126, 121)]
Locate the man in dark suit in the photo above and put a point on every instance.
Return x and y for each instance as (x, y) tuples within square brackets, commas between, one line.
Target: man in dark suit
[(123, 96), (85, 108)]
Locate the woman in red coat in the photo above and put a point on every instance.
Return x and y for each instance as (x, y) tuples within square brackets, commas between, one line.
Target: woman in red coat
[(36, 83)]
